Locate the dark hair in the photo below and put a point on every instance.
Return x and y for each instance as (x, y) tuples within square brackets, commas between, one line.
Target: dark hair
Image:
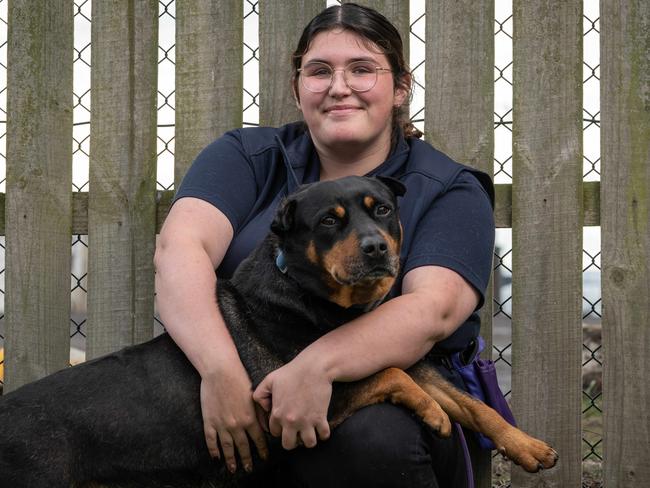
[(379, 32)]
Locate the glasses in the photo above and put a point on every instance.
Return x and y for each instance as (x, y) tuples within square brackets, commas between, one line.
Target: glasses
[(359, 76)]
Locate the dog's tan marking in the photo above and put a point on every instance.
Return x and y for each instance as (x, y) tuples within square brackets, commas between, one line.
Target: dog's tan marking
[(341, 294), (369, 201), (312, 255), (360, 293), (372, 292), (339, 212), (338, 258)]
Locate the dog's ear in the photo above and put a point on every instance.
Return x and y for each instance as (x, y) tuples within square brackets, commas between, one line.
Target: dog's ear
[(393, 184), (283, 220)]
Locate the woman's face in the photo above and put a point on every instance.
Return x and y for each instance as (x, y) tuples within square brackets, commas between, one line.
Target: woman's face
[(339, 116)]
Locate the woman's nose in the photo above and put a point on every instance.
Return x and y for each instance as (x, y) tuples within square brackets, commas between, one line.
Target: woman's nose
[(339, 86)]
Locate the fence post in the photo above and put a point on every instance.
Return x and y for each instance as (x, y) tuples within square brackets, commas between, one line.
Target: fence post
[(39, 182), (209, 76), (281, 24), (459, 112), (122, 206), (547, 206), (625, 218)]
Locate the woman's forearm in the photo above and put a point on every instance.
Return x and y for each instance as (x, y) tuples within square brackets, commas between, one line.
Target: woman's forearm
[(399, 332), (391, 335)]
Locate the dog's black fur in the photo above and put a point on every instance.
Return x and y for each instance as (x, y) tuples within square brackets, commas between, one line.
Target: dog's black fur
[(135, 414)]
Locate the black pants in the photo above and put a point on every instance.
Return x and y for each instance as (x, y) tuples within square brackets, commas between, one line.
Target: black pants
[(379, 446)]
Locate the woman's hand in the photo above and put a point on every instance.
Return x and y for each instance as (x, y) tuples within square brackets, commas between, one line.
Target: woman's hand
[(297, 395), (230, 418)]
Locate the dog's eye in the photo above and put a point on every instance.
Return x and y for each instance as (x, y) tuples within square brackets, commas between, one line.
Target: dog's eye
[(328, 221), (382, 210)]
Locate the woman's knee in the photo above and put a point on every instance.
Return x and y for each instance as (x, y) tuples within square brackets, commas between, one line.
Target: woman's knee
[(381, 445), (382, 432)]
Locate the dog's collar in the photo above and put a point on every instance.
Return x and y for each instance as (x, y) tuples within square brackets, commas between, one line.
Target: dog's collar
[(281, 262)]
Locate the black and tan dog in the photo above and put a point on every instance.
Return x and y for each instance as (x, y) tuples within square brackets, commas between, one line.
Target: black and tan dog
[(135, 415)]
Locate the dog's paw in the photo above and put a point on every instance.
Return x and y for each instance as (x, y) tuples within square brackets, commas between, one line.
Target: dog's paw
[(531, 454), (436, 418)]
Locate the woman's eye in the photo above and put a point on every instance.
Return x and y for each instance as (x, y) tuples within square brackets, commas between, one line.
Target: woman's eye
[(320, 71), (361, 70), (328, 221), (382, 210)]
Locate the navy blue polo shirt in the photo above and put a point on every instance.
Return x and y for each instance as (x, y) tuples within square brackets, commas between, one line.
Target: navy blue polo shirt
[(446, 212)]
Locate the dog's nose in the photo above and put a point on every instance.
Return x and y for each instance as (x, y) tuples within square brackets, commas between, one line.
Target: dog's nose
[(374, 246)]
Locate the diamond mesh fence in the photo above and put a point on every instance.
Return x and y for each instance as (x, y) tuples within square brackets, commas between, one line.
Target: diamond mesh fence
[(503, 114)]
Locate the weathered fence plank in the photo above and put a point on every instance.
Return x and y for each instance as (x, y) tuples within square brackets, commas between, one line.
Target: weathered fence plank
[(459, 112), (209, 76), (122, 205), (625, 190), (281, 24), (39, 181), (547, 232)]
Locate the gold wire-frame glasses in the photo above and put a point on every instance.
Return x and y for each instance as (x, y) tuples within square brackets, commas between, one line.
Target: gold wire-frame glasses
[(359, 76)]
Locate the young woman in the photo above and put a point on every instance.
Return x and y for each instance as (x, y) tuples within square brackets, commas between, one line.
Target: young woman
[(350, 81)]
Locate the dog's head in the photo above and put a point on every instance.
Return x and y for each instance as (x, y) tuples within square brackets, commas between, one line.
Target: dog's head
[(341, 239)]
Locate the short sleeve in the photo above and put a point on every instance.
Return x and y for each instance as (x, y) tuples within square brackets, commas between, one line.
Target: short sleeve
[(222, 175), (457, 232)]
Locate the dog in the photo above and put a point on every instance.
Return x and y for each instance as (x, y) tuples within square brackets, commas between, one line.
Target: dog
[(332, 253)]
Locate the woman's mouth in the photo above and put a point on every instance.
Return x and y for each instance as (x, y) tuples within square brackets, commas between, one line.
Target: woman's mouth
[(341, 109)]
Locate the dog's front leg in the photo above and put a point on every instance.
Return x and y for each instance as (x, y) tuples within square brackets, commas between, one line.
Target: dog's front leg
[(390, 385), (531, 453)]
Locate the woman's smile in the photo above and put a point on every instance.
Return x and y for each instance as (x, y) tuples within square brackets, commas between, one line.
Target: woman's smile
[(341, 110)]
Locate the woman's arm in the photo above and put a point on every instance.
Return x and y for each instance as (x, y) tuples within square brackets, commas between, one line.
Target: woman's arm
[(192, 243), (435, 301)]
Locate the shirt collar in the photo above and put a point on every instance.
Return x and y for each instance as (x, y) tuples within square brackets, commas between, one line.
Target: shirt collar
[(302, 159)]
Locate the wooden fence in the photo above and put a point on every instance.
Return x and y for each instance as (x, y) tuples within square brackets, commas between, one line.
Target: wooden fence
[(547, 204)]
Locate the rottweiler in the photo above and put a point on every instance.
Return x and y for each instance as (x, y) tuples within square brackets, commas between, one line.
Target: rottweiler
[(134, 415)]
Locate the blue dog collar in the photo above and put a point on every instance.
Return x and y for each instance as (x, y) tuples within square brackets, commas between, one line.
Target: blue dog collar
[(281, 262)]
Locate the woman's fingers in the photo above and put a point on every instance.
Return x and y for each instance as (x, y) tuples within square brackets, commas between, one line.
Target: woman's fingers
[(228, 448), (211, 441), (323, 430), (230, 419), (275, 427), (241, 443), (292, 438), (307, 438), (289, 438), (259, 439), (236, 441)]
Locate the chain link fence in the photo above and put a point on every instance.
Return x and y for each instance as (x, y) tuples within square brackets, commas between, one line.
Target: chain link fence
[(503, 114)]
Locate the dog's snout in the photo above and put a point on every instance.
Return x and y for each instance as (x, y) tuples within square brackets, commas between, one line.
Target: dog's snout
[(374, 246)]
